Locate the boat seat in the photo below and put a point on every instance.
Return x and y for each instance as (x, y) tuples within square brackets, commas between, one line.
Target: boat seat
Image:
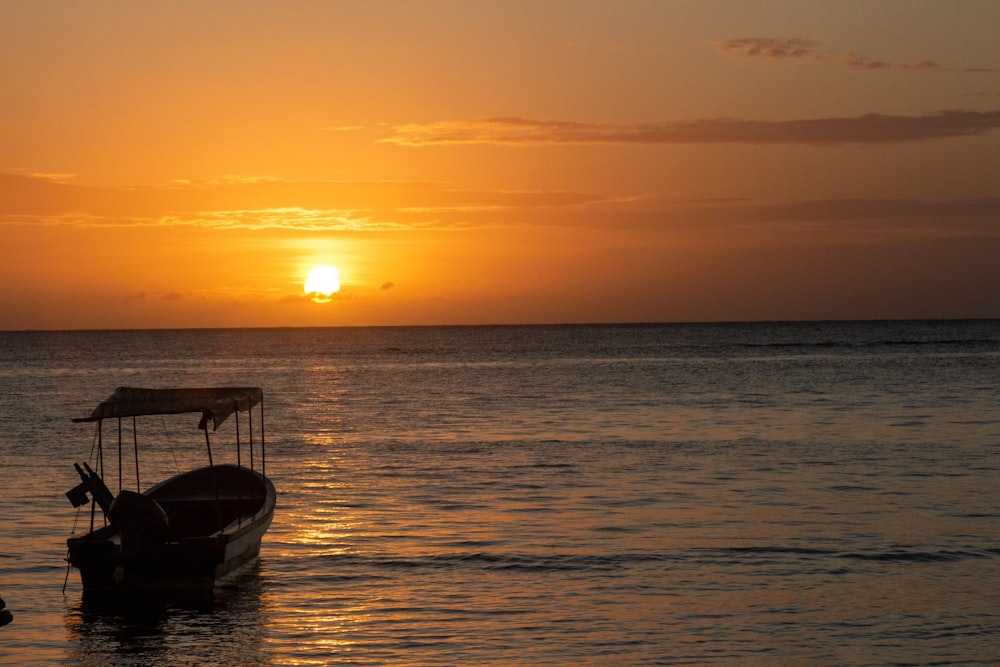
[(200, 515)]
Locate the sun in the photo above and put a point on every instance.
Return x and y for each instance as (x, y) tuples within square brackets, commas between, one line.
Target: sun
[(323, 282)]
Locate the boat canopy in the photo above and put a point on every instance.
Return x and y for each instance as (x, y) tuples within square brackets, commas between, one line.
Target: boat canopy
[(213, 403)]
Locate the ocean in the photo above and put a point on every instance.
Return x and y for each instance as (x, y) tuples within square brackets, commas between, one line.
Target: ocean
[(676, 494)]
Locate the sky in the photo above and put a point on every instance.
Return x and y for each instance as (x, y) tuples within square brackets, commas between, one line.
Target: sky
[(185, 164)]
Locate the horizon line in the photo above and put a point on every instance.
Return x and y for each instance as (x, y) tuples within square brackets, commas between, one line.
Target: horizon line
[(637, 323)]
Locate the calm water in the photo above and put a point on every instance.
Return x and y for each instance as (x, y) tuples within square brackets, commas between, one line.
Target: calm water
[(606, 495)]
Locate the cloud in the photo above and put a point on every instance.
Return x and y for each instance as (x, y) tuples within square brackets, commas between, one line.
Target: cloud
[(257, 205), (867, 129), (768, 48), (859, 62), (922, 66), (292, 218), (869, 209), (855, 61), (387, 286), (777, 49), (864, 220), (398, 207), (46, 176)]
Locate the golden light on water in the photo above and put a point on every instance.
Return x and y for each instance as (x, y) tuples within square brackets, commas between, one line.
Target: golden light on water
[(322, 283)]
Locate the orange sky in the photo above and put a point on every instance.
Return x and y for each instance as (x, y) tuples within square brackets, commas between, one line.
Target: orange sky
[(185, 164)]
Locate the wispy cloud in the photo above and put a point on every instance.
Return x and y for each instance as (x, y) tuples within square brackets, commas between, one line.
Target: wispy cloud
[(249, 204), (861, 210), (46, 176), (922, 66), (867, 129), (818, 220), (394, 207), (768, 48), (779, 49), (292, 218), (859, 62), (855, 61)]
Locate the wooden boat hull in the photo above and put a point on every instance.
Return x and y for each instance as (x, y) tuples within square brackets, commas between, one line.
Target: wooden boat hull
[(209, 534)]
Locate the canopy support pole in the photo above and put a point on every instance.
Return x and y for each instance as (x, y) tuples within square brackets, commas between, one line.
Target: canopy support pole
[(211, 465), (100, 461), (263, 453), (119, 455), (236, 414), (253, 487), (135, 446), (100, 447), (239, 464), (208, 446)]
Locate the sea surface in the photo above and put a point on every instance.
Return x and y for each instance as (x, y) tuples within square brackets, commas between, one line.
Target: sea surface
[(715, 494)]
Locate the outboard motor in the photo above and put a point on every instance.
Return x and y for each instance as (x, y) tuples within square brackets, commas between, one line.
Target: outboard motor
[(142, 521)]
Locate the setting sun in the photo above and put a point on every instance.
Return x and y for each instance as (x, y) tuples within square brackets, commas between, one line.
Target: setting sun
[(322, 283)]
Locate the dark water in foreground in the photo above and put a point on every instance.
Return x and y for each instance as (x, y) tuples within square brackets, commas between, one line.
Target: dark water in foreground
[(614, 495)]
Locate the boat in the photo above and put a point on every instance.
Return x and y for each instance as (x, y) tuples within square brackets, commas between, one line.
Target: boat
[(183, 534)]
